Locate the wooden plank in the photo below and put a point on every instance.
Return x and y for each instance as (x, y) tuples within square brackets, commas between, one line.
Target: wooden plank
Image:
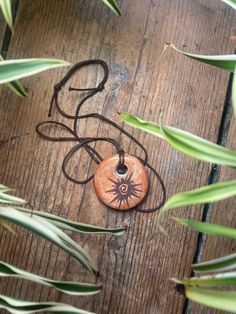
[(222, 213), (2, 28), (2, 32), (134, 268)]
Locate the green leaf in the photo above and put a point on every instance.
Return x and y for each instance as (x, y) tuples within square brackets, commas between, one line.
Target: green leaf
[(16, 86), (206, 194), (11, 70), (69, 225), (208, 228), (186, 142), (72, 288), (224, 279), (4, 188), (234, 93), (226, 62), (231, 3), (147, 126), (16, 306), (112, 4), (50, 232), (10, 199), (6, 11), (221, 300), (198, 147), (7, 226), (219, 264)]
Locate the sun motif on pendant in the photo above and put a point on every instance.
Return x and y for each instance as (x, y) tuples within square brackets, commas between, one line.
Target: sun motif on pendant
[(124, 189)]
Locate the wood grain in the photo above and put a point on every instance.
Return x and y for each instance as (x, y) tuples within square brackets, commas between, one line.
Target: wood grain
[(134, 268), (222, 213), (2, 28)]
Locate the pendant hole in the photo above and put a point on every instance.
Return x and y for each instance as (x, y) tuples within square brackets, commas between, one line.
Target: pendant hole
[(121, 170)]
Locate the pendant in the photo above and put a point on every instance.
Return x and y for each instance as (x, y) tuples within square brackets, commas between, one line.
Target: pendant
[(118, 189)]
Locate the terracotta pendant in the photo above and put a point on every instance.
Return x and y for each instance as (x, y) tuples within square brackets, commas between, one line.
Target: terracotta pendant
[(118, 190)]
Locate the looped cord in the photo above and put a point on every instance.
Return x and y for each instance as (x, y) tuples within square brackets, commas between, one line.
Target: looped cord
[(85, 142)]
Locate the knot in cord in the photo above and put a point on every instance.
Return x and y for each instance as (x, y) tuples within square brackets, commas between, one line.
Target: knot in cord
[(100, 87), (57, 88)]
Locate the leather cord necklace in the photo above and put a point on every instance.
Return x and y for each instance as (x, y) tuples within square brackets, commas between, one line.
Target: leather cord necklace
[(120, 181)]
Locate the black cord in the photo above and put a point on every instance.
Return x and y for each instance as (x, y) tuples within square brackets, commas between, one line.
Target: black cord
[(84, 142)]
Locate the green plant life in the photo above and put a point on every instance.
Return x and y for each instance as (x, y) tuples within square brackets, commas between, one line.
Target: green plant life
[(112, 4), (16, 86), (197, 288), (232, 3), (25, 67), (46, 225), (51, 228), (5, 6)]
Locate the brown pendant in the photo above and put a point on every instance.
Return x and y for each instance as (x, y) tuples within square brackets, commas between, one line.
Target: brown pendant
[(121, 191)]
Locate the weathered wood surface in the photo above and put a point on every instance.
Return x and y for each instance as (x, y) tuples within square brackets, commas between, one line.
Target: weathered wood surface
[(135, 268), (222, 213), (2, 29)]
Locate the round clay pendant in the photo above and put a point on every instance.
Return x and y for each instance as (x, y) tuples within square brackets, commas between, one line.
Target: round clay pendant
[(121, 191)]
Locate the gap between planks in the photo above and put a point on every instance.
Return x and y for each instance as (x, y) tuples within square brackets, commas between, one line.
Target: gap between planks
[(215, 170), (213, 178)]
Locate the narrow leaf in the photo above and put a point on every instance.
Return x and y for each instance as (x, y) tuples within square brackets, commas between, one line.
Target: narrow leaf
[(221, 300), (219, 264), (147, 126), (3, 188), (16, 86), (186, 142), (7, 226), (50, 232), (69, 225), (226, 62), (112, 4), (198, 147), (10, 199), (208, 228), (16, 306), (231, 3), (224, 279), (11, 70), (206, 194), (72, 288), (6, 11)]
